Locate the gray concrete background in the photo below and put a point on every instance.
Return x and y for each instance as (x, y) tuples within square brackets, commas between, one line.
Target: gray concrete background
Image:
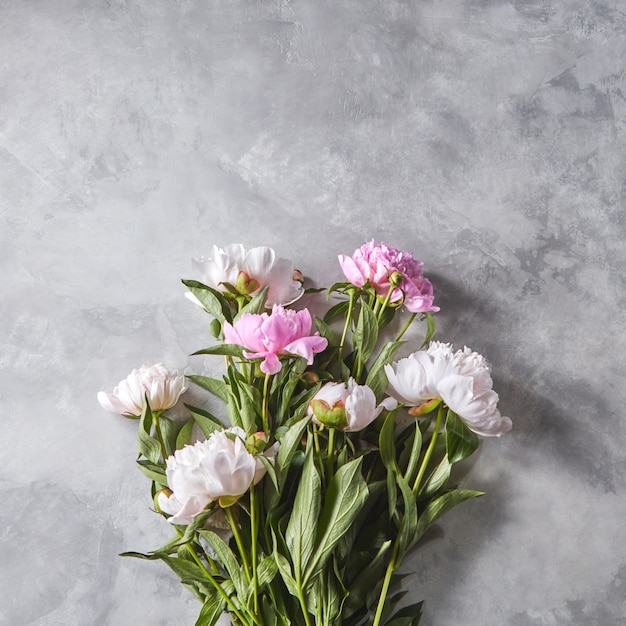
[(485, 135)]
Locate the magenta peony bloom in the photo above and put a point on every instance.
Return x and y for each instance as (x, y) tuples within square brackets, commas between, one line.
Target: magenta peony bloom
[(381, 265), (284, 332)]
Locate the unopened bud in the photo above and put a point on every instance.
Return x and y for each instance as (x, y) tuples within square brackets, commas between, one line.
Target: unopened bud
[(246, 284), (334, 416), (395, 279), (311, 378), (256, 443), (298, 276)]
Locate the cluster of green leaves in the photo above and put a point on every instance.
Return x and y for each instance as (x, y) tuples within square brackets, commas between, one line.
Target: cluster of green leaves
[(320, 539)]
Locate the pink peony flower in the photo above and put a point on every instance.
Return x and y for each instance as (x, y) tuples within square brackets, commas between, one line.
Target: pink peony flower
[(462, 379), (385, 267), (249, 271), (284, 332)]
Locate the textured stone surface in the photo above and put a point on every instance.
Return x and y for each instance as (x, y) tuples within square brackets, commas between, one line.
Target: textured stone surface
[(485, 135)]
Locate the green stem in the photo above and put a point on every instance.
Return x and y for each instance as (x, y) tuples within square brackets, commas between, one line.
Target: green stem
[(305, 611), (242, 552), (266, 419), (215, 584), (331, 453), (384, 304), (318, 449), (385, 588), (429, 451), (347, 324), (406, 326), (255, 532)]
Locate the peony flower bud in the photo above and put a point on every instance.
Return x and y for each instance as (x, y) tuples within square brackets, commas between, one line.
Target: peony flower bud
[(349, 408), (246, 285), (324, 413)]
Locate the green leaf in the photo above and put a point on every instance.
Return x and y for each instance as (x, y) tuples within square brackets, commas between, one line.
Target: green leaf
[(256, 305), (289, 443), (228, 559), (376, 378), (341, 287), (206, 421), (185, 434), (431, 328), (407, 616), (216, 387), (387, 316), (368, 579), (149, 447), (152, 471), (334, 591), (336, 310), (270, 469), (215, 328), (285, 572), (300, 533), (141, 555), (211, 610), (386, 443), (267, 570), (211, 299), (366, 332), (345, 496), (327, 332), (169, 431), (225, 349), (461, 442), (437, 479), (439, 507), (187, 571), (409, 521), (413, 461), (249, 411), (387, 449)]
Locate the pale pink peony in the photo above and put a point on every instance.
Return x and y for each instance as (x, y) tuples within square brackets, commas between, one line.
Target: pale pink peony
[(462, 379), (284, 332), (351, 407), (162, 387), (201, 473), (380, 265), (249, 271)]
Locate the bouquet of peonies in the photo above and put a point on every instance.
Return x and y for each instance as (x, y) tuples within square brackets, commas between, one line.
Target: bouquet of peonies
[(337, 458)]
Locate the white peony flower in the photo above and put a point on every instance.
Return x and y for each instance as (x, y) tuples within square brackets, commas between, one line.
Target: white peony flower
[(350, 407), (162, 387), (462, 379), (203, 472), (249, 271)]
